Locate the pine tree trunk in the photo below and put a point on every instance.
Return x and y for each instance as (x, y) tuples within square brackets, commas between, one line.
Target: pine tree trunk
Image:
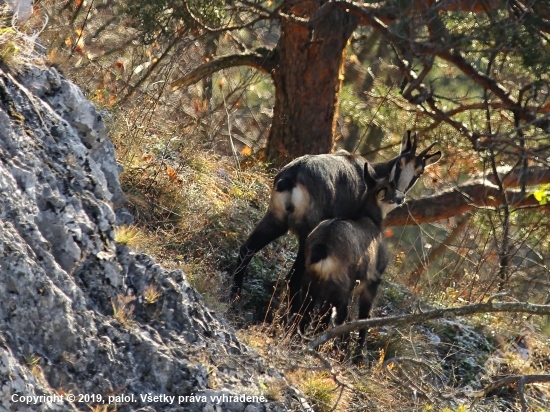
[(307, 83)]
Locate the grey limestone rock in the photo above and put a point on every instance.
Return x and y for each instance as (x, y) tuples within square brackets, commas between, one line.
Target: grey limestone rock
[(61, 274)]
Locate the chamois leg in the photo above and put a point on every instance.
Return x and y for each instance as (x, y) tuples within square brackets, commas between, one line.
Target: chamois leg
[(294, 279), (366, 300), (308, 303), (341, 303), (334, 311), (269, 229)]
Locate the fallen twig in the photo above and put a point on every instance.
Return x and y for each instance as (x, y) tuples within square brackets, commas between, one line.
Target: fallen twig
[(521, 380), (488, 307)]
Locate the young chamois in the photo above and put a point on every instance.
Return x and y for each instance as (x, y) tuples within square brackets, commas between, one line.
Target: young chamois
[(343, 254), (314, 188)]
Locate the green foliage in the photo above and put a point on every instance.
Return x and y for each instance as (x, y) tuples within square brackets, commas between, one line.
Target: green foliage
[(320, 389), (485, 33), (541, 194), (525, 38), (168, 19), (8, 51), (16, 46)]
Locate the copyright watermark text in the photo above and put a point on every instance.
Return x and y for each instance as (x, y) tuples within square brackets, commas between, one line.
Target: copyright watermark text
[(147, 398)]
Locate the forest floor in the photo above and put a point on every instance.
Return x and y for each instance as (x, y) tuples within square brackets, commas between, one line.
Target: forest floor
[(195, 221)]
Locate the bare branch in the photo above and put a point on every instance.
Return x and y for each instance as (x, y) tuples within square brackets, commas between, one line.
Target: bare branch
[(529, 379), (449, 203), (376, 18), (477, 192), (533, 175), (263, 62), (425, 96), (405, 380), (214, 30), (521, 380), (388, 14), (489, 307)]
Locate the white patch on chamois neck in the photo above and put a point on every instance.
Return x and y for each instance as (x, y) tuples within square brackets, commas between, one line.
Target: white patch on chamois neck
[(384, 205), (392, 173), (406, 176)]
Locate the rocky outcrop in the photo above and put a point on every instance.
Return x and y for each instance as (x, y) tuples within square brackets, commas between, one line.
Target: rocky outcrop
[(63, 279)]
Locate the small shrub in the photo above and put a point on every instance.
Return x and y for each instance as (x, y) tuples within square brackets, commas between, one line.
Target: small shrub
[(18, 44), (33, 362), (274, 392)]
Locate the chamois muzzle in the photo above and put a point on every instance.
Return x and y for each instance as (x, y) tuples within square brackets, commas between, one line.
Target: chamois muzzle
[(399, 197)]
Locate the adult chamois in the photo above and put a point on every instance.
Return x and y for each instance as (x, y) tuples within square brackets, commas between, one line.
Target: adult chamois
[(346, 254), (314, 188)]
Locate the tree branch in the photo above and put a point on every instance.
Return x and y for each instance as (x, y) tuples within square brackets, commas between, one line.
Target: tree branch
[(390, 14), (376, 18), (532, 175), (475, 193), (425, 96), (264, 62), (488, 307), (449, 203)]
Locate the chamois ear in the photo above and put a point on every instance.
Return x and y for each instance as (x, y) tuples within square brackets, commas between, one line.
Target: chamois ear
[(432, 158), (424, 152), (381, 194), (370, 176), (408, 143), (392, 173)]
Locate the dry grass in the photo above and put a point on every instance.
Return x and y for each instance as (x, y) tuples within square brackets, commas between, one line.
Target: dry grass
[(122, 309), (33, 363), (320, 389), (193, 210), (417, 368), (130, 236), (151, 295)]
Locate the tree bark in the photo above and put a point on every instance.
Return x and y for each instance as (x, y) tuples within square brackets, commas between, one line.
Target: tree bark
[(307, 82), (210, 48)]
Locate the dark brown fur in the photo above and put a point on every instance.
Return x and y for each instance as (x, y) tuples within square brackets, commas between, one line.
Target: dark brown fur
[(343, 254), (315, 188)]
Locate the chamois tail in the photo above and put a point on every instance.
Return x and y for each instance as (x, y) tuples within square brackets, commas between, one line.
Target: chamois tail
[(318, 252), (285, 184)]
